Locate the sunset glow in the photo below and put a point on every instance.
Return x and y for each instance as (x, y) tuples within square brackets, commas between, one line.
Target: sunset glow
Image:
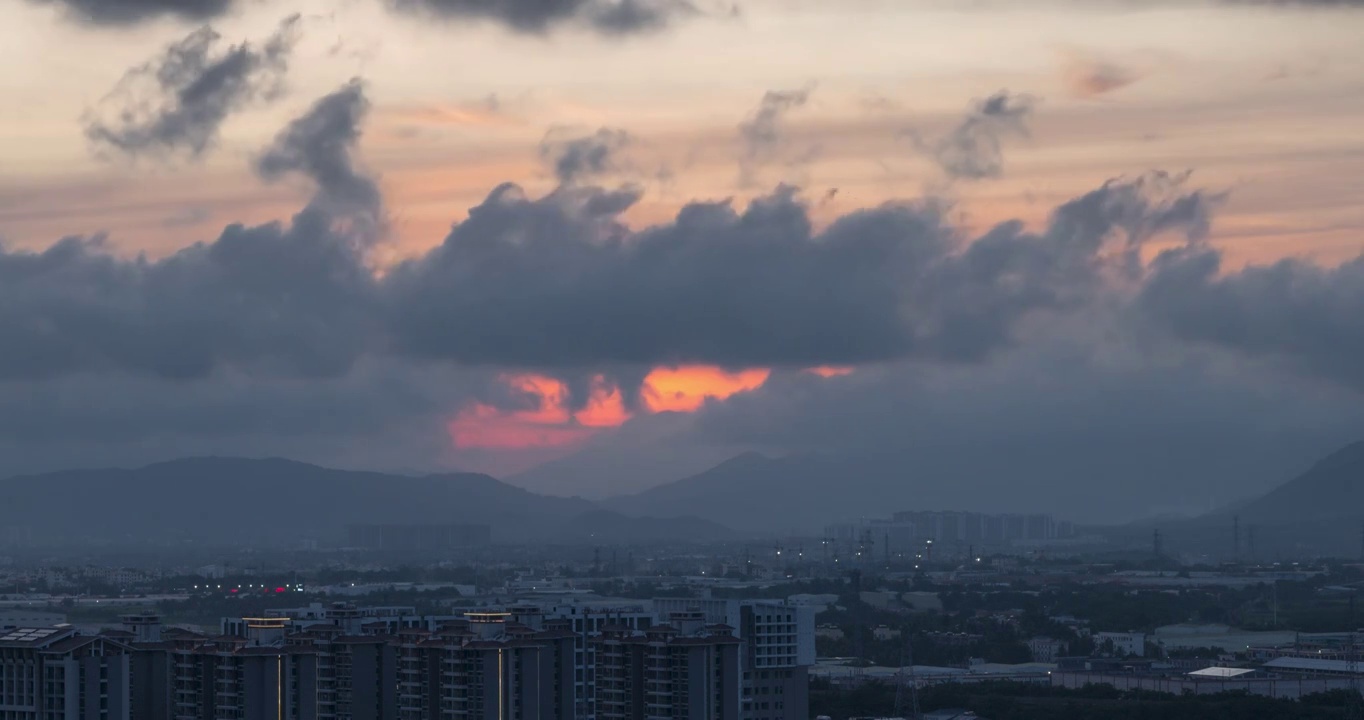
[(484, 426), (684, 389), (551, 423)]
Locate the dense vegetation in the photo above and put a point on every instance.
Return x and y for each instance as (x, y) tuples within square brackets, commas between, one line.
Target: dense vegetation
[(1022, 701)]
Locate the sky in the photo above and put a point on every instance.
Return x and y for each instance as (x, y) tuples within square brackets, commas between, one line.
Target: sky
[(641, 236)]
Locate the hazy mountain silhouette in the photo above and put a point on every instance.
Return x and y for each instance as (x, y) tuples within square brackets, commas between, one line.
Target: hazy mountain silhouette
[(1089, 484), (641, 454), (1330, 491), (1319, 510), (757, 493), (232, 500)]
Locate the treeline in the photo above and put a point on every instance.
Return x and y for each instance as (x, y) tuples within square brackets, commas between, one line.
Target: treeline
[(1026, 701)]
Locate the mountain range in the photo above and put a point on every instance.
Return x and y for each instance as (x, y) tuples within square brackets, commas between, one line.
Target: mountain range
[(1320, 510), (1323, 505), (232, 500), (253, 502)]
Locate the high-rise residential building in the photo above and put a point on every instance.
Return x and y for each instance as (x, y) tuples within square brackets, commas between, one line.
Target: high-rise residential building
[(777, 647), (568, 661), (57, 674), (680, 669), (485, 665), (587, 620)]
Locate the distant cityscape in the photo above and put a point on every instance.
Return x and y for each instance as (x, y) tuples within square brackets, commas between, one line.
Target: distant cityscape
[(430, 621), (493, 603)]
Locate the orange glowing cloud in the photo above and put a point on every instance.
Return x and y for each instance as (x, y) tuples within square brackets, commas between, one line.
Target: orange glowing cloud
[(551, 423), (552, 396), (685, 389), (605, 408), (484, 426), (829, 371)]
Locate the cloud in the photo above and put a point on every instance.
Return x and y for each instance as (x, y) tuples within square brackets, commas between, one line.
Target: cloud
[(973, 150), (538, 17), (381, 414), (266, 299), (191, 352), (128, 12), (1300, 3), (575, 158), (274, 300), (761, 133), (756, 287), (1292, 311), (177, 103), (1080, 419), (187, 217), (1090, 77), (320, 145)]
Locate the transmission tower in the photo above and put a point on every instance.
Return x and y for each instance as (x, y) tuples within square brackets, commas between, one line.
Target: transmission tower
[(859, 645), (1353, 710), (907, 664)]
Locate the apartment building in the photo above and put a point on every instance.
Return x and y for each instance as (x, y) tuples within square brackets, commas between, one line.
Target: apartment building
[(777, 647), (57, 674), (587, 620), (570, 661), (683, 668)]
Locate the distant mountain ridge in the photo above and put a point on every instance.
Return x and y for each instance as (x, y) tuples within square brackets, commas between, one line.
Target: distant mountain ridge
[(1319, 510), (772, 495), (807, 492), (1332, 489), (253, 502)]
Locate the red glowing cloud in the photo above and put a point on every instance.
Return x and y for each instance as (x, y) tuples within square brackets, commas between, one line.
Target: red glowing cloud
[(551, 423), (547, 425)]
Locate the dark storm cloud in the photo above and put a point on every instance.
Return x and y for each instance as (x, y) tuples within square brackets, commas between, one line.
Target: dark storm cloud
[(320, 145), (549, 282), (267, 299), (609, 17), (381, 414), (761, 133), (575, 158), (128, 12), (1295, 311), (973, 150), (271, 299), (178, 102)]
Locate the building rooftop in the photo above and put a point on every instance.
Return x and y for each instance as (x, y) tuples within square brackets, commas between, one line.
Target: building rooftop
[(1221, 673), (33, 636), (1315, 665)]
